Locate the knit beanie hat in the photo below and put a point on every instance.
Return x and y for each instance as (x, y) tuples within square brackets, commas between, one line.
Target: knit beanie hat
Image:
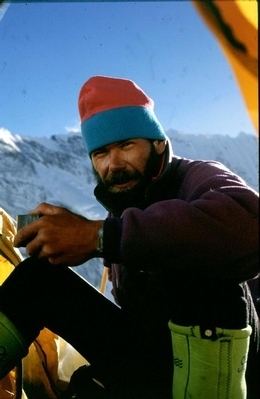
[(115, 109)]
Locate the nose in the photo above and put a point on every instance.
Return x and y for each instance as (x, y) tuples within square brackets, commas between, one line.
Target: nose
[(116, 160)]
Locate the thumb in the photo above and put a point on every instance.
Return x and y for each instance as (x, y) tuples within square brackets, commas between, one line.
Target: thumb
[(47, 209)]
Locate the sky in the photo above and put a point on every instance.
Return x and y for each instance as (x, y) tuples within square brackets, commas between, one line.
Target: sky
[(48, 50)]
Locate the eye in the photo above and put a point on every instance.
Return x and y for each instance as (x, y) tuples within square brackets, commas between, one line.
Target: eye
[(126, 144), (99, 153)]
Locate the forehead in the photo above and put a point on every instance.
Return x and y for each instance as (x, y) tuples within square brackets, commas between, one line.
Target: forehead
[(137, 141)]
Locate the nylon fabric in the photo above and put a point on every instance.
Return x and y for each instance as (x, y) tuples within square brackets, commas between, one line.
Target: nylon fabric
[(12, 345), (7, 233), (235, 25), (211, 367)]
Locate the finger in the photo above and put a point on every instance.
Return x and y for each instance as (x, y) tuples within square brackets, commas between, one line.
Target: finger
[(65, 260), (41, 251), (58, 260), (47, 209), (34, 247), (26, 234), (54, 261)]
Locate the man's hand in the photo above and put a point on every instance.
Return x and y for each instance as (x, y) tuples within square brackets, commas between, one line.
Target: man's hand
[(62, 237)]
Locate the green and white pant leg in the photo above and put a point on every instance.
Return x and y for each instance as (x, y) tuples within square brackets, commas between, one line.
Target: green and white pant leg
[(209, 367)]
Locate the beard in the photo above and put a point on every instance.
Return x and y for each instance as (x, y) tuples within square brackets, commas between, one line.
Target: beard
[(117, 202)]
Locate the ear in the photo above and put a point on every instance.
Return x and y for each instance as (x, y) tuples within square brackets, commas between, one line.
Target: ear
[(159, 146)]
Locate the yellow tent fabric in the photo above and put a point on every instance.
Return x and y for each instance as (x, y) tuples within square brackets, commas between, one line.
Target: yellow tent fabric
[(5, 268), (9, 256), (7, 233), (235, 25)]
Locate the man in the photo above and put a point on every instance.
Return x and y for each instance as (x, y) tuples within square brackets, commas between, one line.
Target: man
[(180, 241)]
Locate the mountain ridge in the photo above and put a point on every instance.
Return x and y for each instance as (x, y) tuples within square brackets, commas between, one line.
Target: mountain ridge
[(57, 169)]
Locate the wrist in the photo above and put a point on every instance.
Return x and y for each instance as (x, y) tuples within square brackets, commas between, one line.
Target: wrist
[(99, 243)]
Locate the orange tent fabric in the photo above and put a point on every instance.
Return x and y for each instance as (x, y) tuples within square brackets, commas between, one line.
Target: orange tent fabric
[(235, 25)]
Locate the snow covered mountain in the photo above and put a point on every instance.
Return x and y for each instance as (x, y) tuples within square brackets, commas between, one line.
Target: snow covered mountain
[(57, 169)]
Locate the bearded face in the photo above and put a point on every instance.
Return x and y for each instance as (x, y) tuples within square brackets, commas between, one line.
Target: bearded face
[(124, 170)]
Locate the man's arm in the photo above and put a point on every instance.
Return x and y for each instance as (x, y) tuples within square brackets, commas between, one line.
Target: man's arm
[(62, 237), (211, 228)]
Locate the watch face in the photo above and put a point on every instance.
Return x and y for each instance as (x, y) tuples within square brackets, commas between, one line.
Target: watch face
[(100, 241)]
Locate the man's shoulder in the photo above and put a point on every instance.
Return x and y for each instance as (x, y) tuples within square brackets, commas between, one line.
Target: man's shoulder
[(188, 164), (198, 176), (190, 167)]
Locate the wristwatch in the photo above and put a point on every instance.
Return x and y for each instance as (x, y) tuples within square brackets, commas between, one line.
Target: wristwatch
[(99, 248)]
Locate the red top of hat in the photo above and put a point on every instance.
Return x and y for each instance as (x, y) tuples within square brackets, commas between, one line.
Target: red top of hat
[(102, 93)]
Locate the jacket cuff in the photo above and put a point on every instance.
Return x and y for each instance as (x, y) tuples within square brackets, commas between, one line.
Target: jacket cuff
[(112, 230)]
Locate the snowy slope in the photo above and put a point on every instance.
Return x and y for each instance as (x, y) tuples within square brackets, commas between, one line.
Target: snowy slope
[(57, 170), (240, 154), (54, 170)]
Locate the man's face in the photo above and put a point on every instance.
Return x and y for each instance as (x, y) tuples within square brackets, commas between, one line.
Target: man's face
[(125, 165)]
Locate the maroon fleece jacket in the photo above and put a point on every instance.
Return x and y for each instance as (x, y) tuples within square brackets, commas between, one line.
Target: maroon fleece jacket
[(199, 218)]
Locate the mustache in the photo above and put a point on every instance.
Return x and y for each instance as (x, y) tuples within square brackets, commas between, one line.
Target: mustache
[(121, 177)]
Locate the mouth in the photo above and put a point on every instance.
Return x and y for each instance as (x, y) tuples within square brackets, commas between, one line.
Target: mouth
[(122, 181), (124, 186)]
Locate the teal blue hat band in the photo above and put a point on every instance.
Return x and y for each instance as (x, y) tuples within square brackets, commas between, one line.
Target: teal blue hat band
[(120, 124)]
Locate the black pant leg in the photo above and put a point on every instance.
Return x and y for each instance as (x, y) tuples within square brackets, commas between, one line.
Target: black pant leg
[(38, 295)]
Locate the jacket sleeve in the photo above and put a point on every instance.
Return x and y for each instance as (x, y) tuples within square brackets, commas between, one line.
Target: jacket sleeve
[(212, 228)]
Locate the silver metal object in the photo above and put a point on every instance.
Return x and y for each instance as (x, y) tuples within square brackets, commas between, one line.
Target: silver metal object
[(23, 220)]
